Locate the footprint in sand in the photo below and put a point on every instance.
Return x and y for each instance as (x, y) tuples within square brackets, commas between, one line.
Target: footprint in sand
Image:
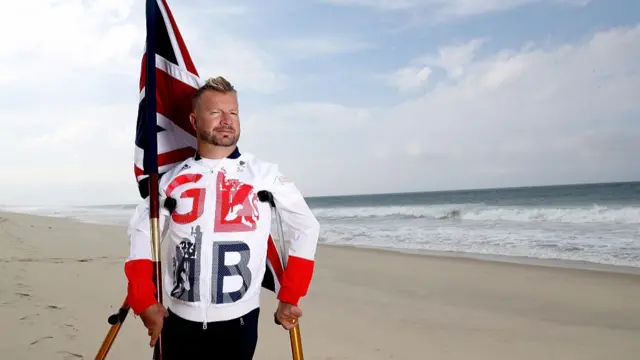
[(21, 295), (70, 356), (69, 331), (29, 317), (40, 339), (24, 290)]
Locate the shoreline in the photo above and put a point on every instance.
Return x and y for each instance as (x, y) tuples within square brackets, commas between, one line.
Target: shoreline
[(503, 259)]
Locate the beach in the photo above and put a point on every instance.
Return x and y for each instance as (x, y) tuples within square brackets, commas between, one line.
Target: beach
[(61, 279)]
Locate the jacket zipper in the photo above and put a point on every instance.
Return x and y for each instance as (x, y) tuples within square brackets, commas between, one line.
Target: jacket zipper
[(212, 173), (206, 271), (205, 300), (207, 293)]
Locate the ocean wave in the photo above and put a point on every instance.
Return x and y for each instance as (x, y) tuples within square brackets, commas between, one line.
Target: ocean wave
[(595, 245), (479, 212), (543, 232)]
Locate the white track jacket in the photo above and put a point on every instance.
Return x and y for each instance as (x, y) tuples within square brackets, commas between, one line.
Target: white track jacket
[(214, 247)]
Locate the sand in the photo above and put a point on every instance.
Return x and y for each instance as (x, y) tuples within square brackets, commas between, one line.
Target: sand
[(60, 280)]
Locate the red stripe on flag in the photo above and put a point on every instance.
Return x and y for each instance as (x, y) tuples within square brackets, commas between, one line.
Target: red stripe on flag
[(168, 158), (137, 171), (173, 100), (175, 156), (143, 72)]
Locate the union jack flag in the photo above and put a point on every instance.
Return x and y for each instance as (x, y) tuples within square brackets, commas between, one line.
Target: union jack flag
[(173, 82)]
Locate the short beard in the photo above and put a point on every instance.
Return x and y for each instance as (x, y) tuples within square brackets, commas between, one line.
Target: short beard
[(211, 138)]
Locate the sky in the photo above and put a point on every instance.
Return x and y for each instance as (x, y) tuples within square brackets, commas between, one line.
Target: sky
[(347, 96)]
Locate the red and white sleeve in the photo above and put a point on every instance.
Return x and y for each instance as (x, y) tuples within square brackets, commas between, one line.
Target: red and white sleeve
[(303, 229), (138, 267)]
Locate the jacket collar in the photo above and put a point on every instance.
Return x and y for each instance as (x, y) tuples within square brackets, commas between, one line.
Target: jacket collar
[(234, 155)]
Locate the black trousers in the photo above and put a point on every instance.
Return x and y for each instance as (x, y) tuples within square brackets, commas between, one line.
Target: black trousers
[(225, 340)]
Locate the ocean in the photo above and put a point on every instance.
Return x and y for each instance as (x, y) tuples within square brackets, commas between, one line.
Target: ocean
[(593, 223)]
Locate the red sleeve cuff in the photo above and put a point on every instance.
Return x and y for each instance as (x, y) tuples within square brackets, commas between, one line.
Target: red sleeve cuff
[(295, 280), (141, 291)]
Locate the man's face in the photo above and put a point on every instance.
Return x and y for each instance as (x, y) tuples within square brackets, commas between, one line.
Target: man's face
[(216, 120)]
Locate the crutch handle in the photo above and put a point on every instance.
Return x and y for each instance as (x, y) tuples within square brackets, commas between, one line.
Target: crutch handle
[(266, 196)]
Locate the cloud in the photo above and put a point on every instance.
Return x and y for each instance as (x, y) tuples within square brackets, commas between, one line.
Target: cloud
[(246, 65), (312, 46), (442, 10), (209, 31), (535, 115), (453, 59), (378, 4), (409, 78), (316, 118), (61, 38), (564, 114), (69, 155)]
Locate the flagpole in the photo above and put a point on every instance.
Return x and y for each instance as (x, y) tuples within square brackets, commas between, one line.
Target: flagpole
[(156, 256), (150, 160)]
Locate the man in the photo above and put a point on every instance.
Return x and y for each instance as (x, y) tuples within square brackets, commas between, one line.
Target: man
[(215, 242)]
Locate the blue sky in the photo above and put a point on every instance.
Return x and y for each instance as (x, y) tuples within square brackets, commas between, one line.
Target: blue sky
[(348, 96)]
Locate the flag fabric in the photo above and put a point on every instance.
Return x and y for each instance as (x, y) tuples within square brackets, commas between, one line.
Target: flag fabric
[(174, 80), (165, 116)]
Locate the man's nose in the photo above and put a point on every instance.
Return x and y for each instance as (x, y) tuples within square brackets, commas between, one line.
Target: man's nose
[(226, 118)]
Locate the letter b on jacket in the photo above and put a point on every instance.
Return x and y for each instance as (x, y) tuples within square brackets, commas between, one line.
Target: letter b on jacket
[(231, 272)]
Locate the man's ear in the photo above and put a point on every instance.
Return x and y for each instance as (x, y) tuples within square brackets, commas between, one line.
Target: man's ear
[(192, 119)]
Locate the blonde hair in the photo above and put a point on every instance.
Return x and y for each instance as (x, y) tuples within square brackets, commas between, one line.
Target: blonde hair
[(217, 84)]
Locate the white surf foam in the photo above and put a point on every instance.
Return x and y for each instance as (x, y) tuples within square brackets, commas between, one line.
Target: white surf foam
[(598, 234), (480, 212)]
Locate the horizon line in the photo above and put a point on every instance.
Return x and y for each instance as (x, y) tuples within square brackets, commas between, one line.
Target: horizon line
[(394, 193), (479, 189)]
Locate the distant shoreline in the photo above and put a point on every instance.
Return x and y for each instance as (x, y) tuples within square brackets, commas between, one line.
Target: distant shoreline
[(507, 259), (377, 194), (520, 187)]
